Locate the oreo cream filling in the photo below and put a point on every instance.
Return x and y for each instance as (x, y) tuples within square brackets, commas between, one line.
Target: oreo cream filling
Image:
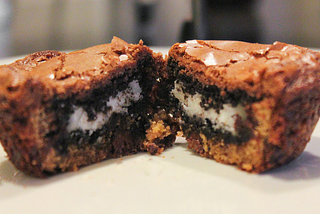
[(224, 119), (79, 119)]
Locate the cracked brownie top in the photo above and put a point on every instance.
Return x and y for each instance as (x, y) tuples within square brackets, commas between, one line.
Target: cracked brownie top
[(63, 74), (258, 69)]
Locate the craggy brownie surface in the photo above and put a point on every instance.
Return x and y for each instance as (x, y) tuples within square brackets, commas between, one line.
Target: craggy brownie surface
[(257, 69)]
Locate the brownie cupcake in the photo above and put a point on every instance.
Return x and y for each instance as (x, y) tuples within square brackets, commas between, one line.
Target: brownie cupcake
[(251, 105), (60, 111)]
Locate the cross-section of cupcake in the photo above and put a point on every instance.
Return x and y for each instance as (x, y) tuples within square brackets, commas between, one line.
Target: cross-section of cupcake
[(246, 104), (60, 111)]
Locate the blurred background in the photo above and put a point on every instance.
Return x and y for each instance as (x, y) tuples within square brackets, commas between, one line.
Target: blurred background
[(27, 25)]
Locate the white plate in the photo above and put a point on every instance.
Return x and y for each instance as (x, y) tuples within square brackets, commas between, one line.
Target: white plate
[(177, 181)]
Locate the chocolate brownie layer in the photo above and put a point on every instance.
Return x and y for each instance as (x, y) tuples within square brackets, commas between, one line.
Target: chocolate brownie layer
[(251, 105), (61, 111)]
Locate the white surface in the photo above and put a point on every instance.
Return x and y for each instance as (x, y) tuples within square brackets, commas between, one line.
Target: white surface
[(177, 181)]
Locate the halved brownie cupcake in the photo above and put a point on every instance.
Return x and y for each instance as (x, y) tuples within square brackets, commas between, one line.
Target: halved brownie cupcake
[(60, 111), (246, 104)]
